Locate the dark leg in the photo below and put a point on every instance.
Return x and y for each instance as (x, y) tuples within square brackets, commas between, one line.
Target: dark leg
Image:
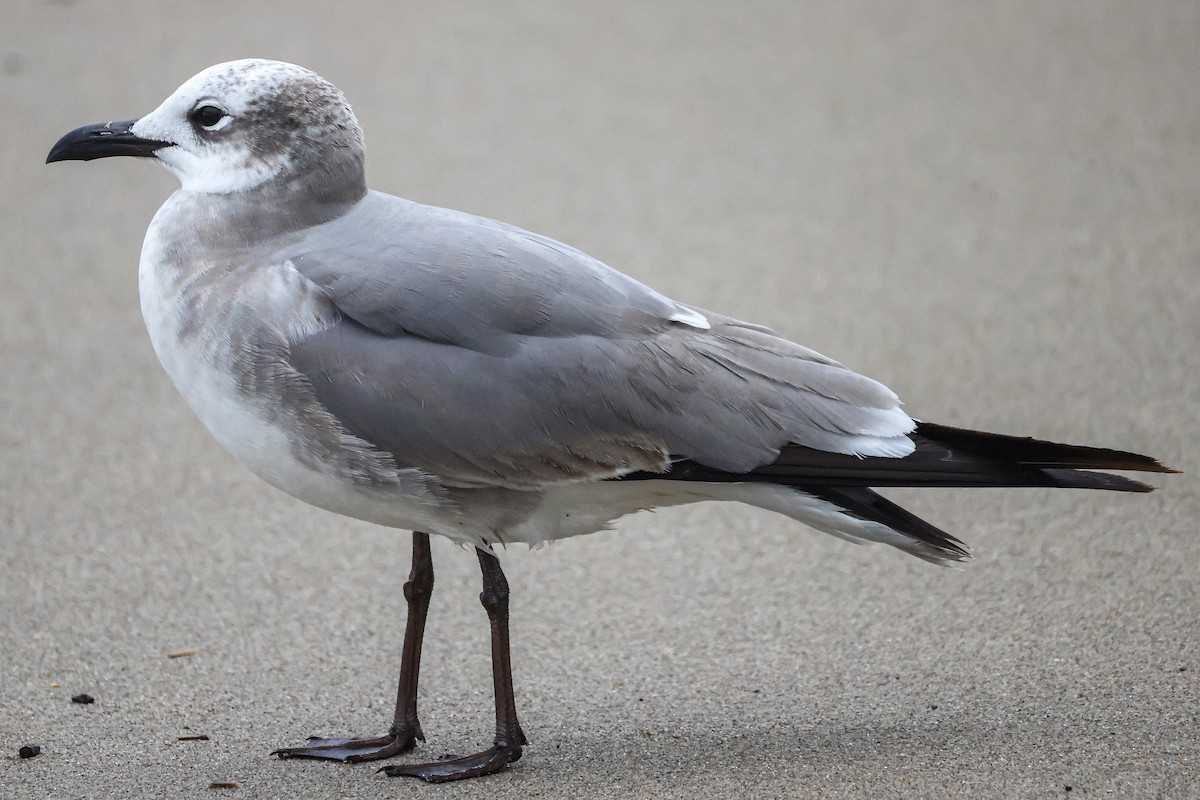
[(509, 737), (406, 728)]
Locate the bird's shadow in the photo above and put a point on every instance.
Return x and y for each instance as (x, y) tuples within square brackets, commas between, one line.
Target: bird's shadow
[(753, 752)]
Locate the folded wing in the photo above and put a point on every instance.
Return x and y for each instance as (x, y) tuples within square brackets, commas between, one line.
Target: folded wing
[(492, 356)]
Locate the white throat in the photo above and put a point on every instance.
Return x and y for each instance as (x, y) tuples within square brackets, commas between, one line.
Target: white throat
[(223, 171)]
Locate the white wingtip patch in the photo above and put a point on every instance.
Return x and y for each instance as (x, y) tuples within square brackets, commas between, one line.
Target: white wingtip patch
[(889, 447), (690, 317)]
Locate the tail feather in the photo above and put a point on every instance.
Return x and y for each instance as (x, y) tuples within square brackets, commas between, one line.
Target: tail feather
[(928, 542), (944, 456)]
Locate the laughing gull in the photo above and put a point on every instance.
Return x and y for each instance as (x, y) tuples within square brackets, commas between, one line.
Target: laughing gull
[(431, 370)]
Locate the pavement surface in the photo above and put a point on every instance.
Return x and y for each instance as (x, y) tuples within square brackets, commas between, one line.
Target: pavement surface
[(993, 210)]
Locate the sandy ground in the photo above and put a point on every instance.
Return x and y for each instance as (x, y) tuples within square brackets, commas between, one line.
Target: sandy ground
[(993, 211)]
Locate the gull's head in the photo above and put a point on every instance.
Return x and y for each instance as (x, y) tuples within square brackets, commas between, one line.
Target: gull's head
[(238, 126)]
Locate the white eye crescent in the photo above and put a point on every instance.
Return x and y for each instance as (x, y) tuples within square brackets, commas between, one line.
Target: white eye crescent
[(210, 117)]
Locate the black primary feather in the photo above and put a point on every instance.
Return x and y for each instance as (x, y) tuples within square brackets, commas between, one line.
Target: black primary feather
[(944, 456)]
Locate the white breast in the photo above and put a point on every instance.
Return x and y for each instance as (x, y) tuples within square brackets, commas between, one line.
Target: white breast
[(197, 326)]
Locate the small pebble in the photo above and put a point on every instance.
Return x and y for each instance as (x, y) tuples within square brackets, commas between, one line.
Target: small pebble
[(29, 750), (83, 699)]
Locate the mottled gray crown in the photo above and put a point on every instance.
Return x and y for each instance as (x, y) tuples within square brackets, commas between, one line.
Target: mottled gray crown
[(294, 113)]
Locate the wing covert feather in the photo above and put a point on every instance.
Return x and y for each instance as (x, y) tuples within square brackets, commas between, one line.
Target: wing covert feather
[(398, 267), (492, 356)]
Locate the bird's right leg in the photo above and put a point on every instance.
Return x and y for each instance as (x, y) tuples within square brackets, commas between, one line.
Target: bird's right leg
[(406, 728)]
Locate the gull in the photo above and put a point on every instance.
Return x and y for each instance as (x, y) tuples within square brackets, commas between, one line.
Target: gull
[(435, 371)]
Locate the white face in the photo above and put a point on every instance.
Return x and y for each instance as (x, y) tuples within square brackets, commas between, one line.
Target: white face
[(213, 123)]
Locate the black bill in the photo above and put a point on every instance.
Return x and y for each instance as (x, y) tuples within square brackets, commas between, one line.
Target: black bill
[(101, 141)]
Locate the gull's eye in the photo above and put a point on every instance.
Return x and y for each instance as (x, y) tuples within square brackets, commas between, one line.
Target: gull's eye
[(210, 117)]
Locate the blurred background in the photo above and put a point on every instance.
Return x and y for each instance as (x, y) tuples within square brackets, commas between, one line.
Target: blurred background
[(991, 209)]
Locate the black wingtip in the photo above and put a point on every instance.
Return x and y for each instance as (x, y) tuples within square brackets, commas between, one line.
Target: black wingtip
[(1039, 452), (1085, 479)]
